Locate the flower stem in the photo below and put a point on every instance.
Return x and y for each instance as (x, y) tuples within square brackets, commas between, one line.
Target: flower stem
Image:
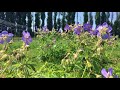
[(84, 71), (9, 63)]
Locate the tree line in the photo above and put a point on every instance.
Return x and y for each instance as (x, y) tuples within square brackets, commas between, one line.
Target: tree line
[(58, 20)]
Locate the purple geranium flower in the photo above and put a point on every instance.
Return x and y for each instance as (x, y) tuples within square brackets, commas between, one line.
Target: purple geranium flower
[(94, 32), (7, 37), (4, 33), (104, 31), (26, 37), (78, 30), (98, 34), (45, 29), (67, 27), (105, 25), (99, 28), (87, 27), (10, 35), (107, 74), (106, 36)]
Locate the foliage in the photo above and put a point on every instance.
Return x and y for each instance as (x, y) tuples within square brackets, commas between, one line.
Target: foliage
[(59, 55)]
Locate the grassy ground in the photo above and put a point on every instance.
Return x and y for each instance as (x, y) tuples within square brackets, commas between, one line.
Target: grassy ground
[(44, 56)]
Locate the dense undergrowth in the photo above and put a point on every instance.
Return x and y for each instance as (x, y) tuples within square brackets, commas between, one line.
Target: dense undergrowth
[(60, 55)]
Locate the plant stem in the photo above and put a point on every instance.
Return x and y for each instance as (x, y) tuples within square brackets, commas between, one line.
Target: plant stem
[(9, 63), (84, 71)]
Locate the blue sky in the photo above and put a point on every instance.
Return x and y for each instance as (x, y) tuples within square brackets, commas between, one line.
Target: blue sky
[(80, 18)]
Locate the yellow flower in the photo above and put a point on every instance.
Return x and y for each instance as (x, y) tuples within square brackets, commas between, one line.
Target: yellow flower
[(88, 64)]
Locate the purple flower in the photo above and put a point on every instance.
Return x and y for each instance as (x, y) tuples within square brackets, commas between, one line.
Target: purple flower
[(94, 32), (104, 31), (109, 29), (87, 27), (106, 36), (7, 37), (67, 27), (45, 29), (10, 35), (4, 33), (98, 34), (105, 25), (77, 30), (107, 74), (26, 37), (99, 28)]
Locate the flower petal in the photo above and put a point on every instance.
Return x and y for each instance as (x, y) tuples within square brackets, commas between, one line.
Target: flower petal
[(67, 27), (10, 35), (30, 39), (109, 29), (77, 31), (104, 73), (98, 34), (23, 38), (27, 42), (105, 36), (110, 70), (4, 32), (99, 28), (87, 26), (105, 24), (23, 32), (27, 35)]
